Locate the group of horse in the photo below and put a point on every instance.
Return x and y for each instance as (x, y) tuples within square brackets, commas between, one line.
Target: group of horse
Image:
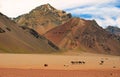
[(77, 62)]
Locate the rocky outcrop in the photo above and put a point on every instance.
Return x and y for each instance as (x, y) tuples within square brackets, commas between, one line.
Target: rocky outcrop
[(1, 30)]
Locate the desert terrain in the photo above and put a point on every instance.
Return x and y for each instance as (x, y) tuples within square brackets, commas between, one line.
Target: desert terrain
[(47, 42), (54, 65)]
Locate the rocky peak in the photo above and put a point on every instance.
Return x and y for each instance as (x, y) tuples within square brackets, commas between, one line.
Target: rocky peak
[(48, 6), (43, 18), (48, 9), (45, 8)]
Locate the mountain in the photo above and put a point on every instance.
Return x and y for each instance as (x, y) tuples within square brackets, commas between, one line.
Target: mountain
[(13, 39), (64, 32), (113, 30), (84, 35), (43, 18)]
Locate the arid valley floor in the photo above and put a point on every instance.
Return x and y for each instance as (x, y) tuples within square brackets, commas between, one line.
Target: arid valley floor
[(54, 65)]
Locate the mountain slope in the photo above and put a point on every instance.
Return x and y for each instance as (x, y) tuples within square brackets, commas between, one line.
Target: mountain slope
[(13, 39), (84, 35), (43, 18), (113, 30)]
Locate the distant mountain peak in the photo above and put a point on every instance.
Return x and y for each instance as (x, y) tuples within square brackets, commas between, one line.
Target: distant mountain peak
[(113, 29)]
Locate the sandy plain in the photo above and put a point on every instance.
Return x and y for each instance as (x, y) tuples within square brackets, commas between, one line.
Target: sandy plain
[(54, 65)]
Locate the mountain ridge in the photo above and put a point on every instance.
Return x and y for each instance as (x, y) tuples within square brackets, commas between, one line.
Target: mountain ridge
[(85, 35)]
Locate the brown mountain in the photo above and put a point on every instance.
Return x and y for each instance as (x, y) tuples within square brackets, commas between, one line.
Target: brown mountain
[(43, 18), (13, 39), (84, 35), (113, 30)]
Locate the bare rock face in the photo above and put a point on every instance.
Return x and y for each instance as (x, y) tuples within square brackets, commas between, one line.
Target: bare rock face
[(43, 18), (13, 39), (113, 30), (84, 35)]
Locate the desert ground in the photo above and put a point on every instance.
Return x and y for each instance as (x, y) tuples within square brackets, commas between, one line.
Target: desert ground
[(54, 65), (57, 73)]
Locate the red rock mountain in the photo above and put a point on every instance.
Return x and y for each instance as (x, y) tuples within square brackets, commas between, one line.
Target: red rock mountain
[(84, 35), (13, 39), (43, 18)]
